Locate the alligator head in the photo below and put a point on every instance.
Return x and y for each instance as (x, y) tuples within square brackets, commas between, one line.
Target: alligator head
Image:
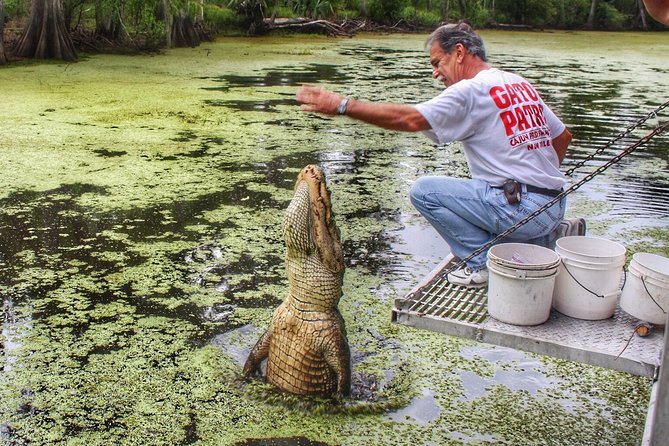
[(309, 224)]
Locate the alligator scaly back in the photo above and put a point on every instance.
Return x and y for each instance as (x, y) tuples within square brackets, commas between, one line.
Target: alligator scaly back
[(305, 345)]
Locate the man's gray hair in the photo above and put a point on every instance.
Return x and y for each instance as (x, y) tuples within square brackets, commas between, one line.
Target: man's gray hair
[(450, 35)]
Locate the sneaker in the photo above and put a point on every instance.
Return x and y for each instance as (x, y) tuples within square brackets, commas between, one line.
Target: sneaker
[(575, 226), (469, 277)]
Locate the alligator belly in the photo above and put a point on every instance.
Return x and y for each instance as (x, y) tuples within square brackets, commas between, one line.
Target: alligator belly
[(295, 365)]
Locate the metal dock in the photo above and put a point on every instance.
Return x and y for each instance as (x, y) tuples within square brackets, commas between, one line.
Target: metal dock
[(437, 305), (440, 306)]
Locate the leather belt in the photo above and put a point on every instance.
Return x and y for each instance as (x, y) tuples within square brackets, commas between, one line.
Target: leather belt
[(543, 191)]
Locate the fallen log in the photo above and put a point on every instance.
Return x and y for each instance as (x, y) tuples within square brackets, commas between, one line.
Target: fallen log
[(346, 28)]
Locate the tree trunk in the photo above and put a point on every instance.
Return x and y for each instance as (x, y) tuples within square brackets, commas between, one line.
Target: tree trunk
[(445, 9), (45, 36), (463, 8), (183, 31), (3, 57), (107, 23), (165, 15), (590, 24), (254, 15), (642, 14), (200, 14)]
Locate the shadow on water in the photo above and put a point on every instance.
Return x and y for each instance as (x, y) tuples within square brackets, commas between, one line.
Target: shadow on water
[(57, 230), (396, 64), (268, 105), (289, 76), (107, 153)]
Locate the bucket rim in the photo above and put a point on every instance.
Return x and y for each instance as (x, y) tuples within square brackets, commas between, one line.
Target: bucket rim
[(649, 278), (559, 244), (516, 277), (640, 255), (593, 265), (492, 256), (525, 266)]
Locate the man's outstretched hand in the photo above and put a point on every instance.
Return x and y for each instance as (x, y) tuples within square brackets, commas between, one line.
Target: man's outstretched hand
[(319, 100)]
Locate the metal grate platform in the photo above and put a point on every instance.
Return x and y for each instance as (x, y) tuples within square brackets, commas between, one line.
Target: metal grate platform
[(440, 306)]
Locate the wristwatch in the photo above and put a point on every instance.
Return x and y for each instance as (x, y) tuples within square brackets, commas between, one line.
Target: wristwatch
[(341, 110)]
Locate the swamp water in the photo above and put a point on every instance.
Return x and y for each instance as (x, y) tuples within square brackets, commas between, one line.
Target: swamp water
[(141, 252)]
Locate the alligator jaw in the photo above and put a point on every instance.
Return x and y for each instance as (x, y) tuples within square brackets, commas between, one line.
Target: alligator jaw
[(325, 234)]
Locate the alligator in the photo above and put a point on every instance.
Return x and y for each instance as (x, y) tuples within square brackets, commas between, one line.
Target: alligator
[(305, 344)]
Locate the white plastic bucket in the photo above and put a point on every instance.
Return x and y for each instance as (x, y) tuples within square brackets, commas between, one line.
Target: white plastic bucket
[(591, 268), (646, 291), (520, 284)]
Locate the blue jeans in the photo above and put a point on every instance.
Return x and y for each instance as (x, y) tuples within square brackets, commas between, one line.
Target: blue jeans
[(469, 214)]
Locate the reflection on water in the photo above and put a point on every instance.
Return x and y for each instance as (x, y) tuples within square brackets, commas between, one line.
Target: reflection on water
[(423, 409), (13, 327), (513, 369)]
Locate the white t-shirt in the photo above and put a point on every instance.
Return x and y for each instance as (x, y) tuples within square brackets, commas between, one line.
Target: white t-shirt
[(505, 127)]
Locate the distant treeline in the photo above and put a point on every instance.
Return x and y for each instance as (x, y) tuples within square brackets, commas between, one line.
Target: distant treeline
[(101, 25)]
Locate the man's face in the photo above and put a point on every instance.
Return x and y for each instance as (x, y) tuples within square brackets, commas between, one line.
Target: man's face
[(443, 65)]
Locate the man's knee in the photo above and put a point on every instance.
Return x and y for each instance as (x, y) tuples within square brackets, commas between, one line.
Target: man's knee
[(425, 193), (417, 192)]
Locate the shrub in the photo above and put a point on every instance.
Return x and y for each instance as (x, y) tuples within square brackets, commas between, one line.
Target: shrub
[(284, 11), (384, 11), (348, 14), (418, 17), (572, 13), (608, 17), (222, 18)]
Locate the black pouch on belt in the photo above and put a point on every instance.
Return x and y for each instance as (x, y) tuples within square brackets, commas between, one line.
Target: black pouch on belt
[(511, 190)]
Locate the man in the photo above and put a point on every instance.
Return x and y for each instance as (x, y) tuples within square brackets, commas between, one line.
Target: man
[(513, 143)]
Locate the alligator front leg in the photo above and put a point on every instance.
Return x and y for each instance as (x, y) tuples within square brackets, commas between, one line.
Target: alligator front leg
[(258, 354), (338, 357)]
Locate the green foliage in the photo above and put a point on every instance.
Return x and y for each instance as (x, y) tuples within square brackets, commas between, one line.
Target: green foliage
[(312, 8), (608, 17), (627, 7), (284, 11), (141, 22), (221, 18), (478, 15), (420, 17), (526, 12), (384, 11), (348, 14), (352, 5), (16, 8), (571, 13)]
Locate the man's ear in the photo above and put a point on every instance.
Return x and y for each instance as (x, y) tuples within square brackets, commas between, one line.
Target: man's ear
[(460, 52)]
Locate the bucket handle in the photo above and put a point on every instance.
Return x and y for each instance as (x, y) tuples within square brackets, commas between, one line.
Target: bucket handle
[(643, 281), (603, 296)]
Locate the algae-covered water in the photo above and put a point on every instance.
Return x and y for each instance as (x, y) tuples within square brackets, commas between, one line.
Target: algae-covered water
[(141, 255)]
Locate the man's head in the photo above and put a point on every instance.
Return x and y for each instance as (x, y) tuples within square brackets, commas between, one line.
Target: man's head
[(456, 53), (447, 36)]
